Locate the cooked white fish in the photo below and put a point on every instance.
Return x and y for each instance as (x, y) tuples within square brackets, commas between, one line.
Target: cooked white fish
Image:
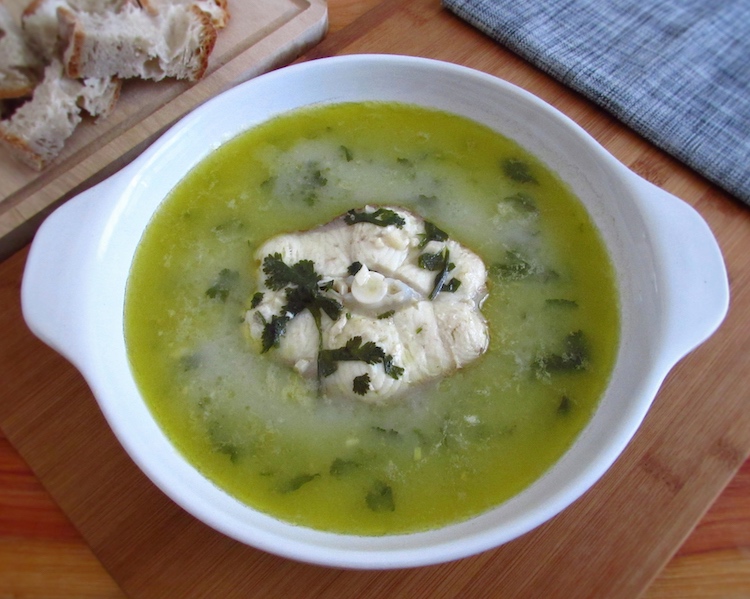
[(370, 304)]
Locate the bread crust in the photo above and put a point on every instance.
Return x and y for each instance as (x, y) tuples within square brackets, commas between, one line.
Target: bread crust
[(21, 150), (36, 131)]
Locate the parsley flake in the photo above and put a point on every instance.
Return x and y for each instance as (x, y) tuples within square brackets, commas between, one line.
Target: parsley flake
[(382, 217), (225, 282), (431, 233), (361, 384), (441, 279), (356, 351), (517, 170)]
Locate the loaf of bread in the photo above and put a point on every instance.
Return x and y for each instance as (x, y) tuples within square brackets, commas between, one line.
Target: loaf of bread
[(175, 42), (37, 130), (218, 10), (41, 25), (89, 46), (19, 65)]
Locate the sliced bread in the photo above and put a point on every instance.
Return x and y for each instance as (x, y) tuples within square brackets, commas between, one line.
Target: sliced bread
[(20, 67), (37, 130), (175, 42), (218, 10), (40, 23)]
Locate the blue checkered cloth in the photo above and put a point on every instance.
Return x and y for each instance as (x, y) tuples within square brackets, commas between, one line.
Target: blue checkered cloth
[(675, 71)]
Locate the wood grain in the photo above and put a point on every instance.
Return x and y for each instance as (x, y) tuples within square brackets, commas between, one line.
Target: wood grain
[(609, 544)]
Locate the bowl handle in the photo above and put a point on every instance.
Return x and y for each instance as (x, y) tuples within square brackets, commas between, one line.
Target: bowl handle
[(695, 288), (53, 290)]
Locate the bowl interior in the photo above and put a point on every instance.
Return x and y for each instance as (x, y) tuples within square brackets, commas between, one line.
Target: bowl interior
[(591, 173)]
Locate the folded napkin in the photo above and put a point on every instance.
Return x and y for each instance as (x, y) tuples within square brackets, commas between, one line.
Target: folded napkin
[(675, 71)]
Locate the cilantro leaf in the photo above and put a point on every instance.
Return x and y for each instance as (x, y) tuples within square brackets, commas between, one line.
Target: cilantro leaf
[(273, 331), (257, 299), (296, 482), (341, 467), (431, 233), (356, 351), (517, 170), (514, 268), (380, 498), (391, 370), (573, 357), (382, 217), (361, 384), (279, 274), (441, 279), (431, 261), (304, 291), (225, 282)]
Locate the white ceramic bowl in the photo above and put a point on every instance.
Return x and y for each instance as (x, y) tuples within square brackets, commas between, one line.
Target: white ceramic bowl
[(673, 291)]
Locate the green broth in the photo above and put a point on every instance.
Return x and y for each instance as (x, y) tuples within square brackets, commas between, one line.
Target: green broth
[(451, 449)]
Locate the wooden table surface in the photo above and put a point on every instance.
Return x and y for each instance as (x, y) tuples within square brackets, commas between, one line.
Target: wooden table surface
[(43, 556)]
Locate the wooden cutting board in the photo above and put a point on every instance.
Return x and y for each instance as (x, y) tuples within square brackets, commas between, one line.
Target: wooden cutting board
[(610, 543), (261, 35)]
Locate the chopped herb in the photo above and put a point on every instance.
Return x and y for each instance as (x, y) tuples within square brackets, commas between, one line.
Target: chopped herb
[(355, 351), (296, 482), (361, 384), (279, 274), (565, 405), (348, 156), (517, 170), (340, 467), (221, 443), (273, 332), (431, 233), (385, 315), (233, 225), (190, 362), (419, 330), (441, 280), (226, 280), (561, 303), (392, 371), (257, 299), (431, 262), (452, 285), (574, 356), (380, 498), (317, 178), (304, 291), (514, 268), (382, 217), (354, 268), (229, 449), (352, 351), (311, 180)]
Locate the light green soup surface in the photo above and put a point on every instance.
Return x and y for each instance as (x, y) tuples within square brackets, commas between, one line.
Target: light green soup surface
[(450, 449)]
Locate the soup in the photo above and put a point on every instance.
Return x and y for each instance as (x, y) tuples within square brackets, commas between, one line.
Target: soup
[(448, 449)]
